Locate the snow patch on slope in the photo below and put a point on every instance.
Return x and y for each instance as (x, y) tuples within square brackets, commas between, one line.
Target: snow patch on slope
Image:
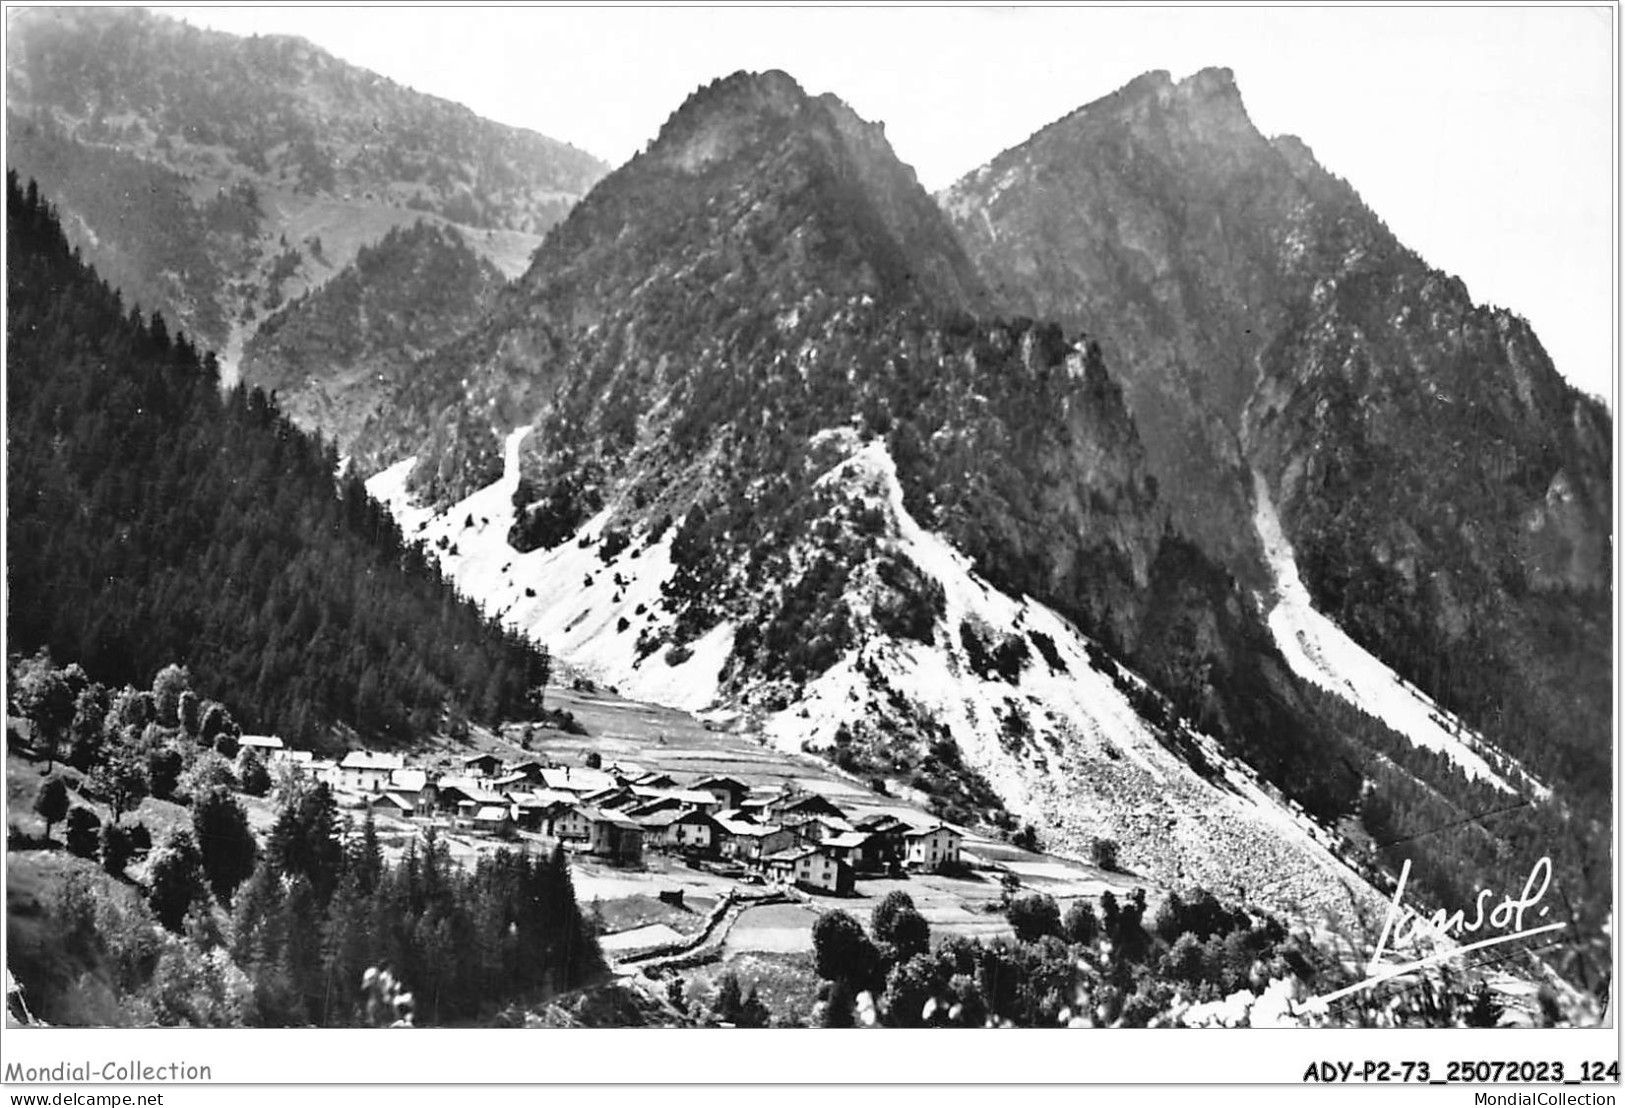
[(1321, 653), (1063, 744), (567, 598)]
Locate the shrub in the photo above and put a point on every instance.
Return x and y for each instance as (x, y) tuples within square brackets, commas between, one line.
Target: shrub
[(1103, 852), (1034, 916), (163, 771), (1080, 924), (843, 953), (1027, 838), (256, 778), (115, 849), (208, 771), (81, 834), (52, 803)]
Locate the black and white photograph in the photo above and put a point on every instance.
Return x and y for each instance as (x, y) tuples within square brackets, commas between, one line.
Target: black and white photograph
[(793, 518)]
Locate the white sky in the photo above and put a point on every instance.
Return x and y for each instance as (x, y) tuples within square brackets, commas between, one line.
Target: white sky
[(1482, 136)]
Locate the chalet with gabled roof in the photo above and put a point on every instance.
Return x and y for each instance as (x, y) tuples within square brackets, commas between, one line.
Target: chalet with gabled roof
[(810, 867), (482, 765), (751, 842), (730, 792), (932, 847), (676, 829), (364, 772)]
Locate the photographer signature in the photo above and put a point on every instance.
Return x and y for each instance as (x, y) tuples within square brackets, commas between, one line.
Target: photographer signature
[(1403, 925)]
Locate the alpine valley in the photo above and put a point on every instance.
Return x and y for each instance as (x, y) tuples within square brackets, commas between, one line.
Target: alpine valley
[(1139, 494)]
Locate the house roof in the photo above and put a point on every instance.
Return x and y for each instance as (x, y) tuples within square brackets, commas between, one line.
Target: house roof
[(686, 796), (650, 807), (479, 794), (848, 840), (264, 742), (414, 779), (719, 779), (837, 824), (302, 757), (362, 759), (577, 780), (476, 758), (809, 802), (393, 799), (793, 854), (922, 832), (663, 818), (492, 811), (544, 798), (655, 780), (509, 779), (882, 821), (749, 830)]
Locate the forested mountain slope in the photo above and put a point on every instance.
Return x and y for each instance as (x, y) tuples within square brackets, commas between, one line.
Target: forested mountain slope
[(154, 519)]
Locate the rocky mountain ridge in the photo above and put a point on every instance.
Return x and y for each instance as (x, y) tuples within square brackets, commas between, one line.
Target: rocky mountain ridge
[(213, 177), (1447, 492)]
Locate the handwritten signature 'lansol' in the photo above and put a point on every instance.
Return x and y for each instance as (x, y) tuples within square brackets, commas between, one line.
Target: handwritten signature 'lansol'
[(1403, 924)]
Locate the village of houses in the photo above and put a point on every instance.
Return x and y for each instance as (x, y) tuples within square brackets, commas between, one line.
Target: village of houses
[(616, 814), (656, 807)]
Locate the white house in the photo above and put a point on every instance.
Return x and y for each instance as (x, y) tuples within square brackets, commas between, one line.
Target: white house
[(932, 847), (363, 772), (811, 868)]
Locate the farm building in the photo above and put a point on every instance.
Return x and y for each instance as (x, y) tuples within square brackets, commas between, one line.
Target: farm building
[(810, 868), (890, 833), (679, 830), (697, 799), (609, 836), (537, 811), (414, 783), (454, 792), (803, 806), (816, 829), (618, 796), (492, 819), (265, 744), (531, 771), (730, 792), (931, 847), (576, 822), (483, 765), (393, 803), (862, 850), (752, 842)]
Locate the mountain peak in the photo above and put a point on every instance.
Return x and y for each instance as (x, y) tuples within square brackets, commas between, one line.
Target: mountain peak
[(1214, 82), (720, 117)]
